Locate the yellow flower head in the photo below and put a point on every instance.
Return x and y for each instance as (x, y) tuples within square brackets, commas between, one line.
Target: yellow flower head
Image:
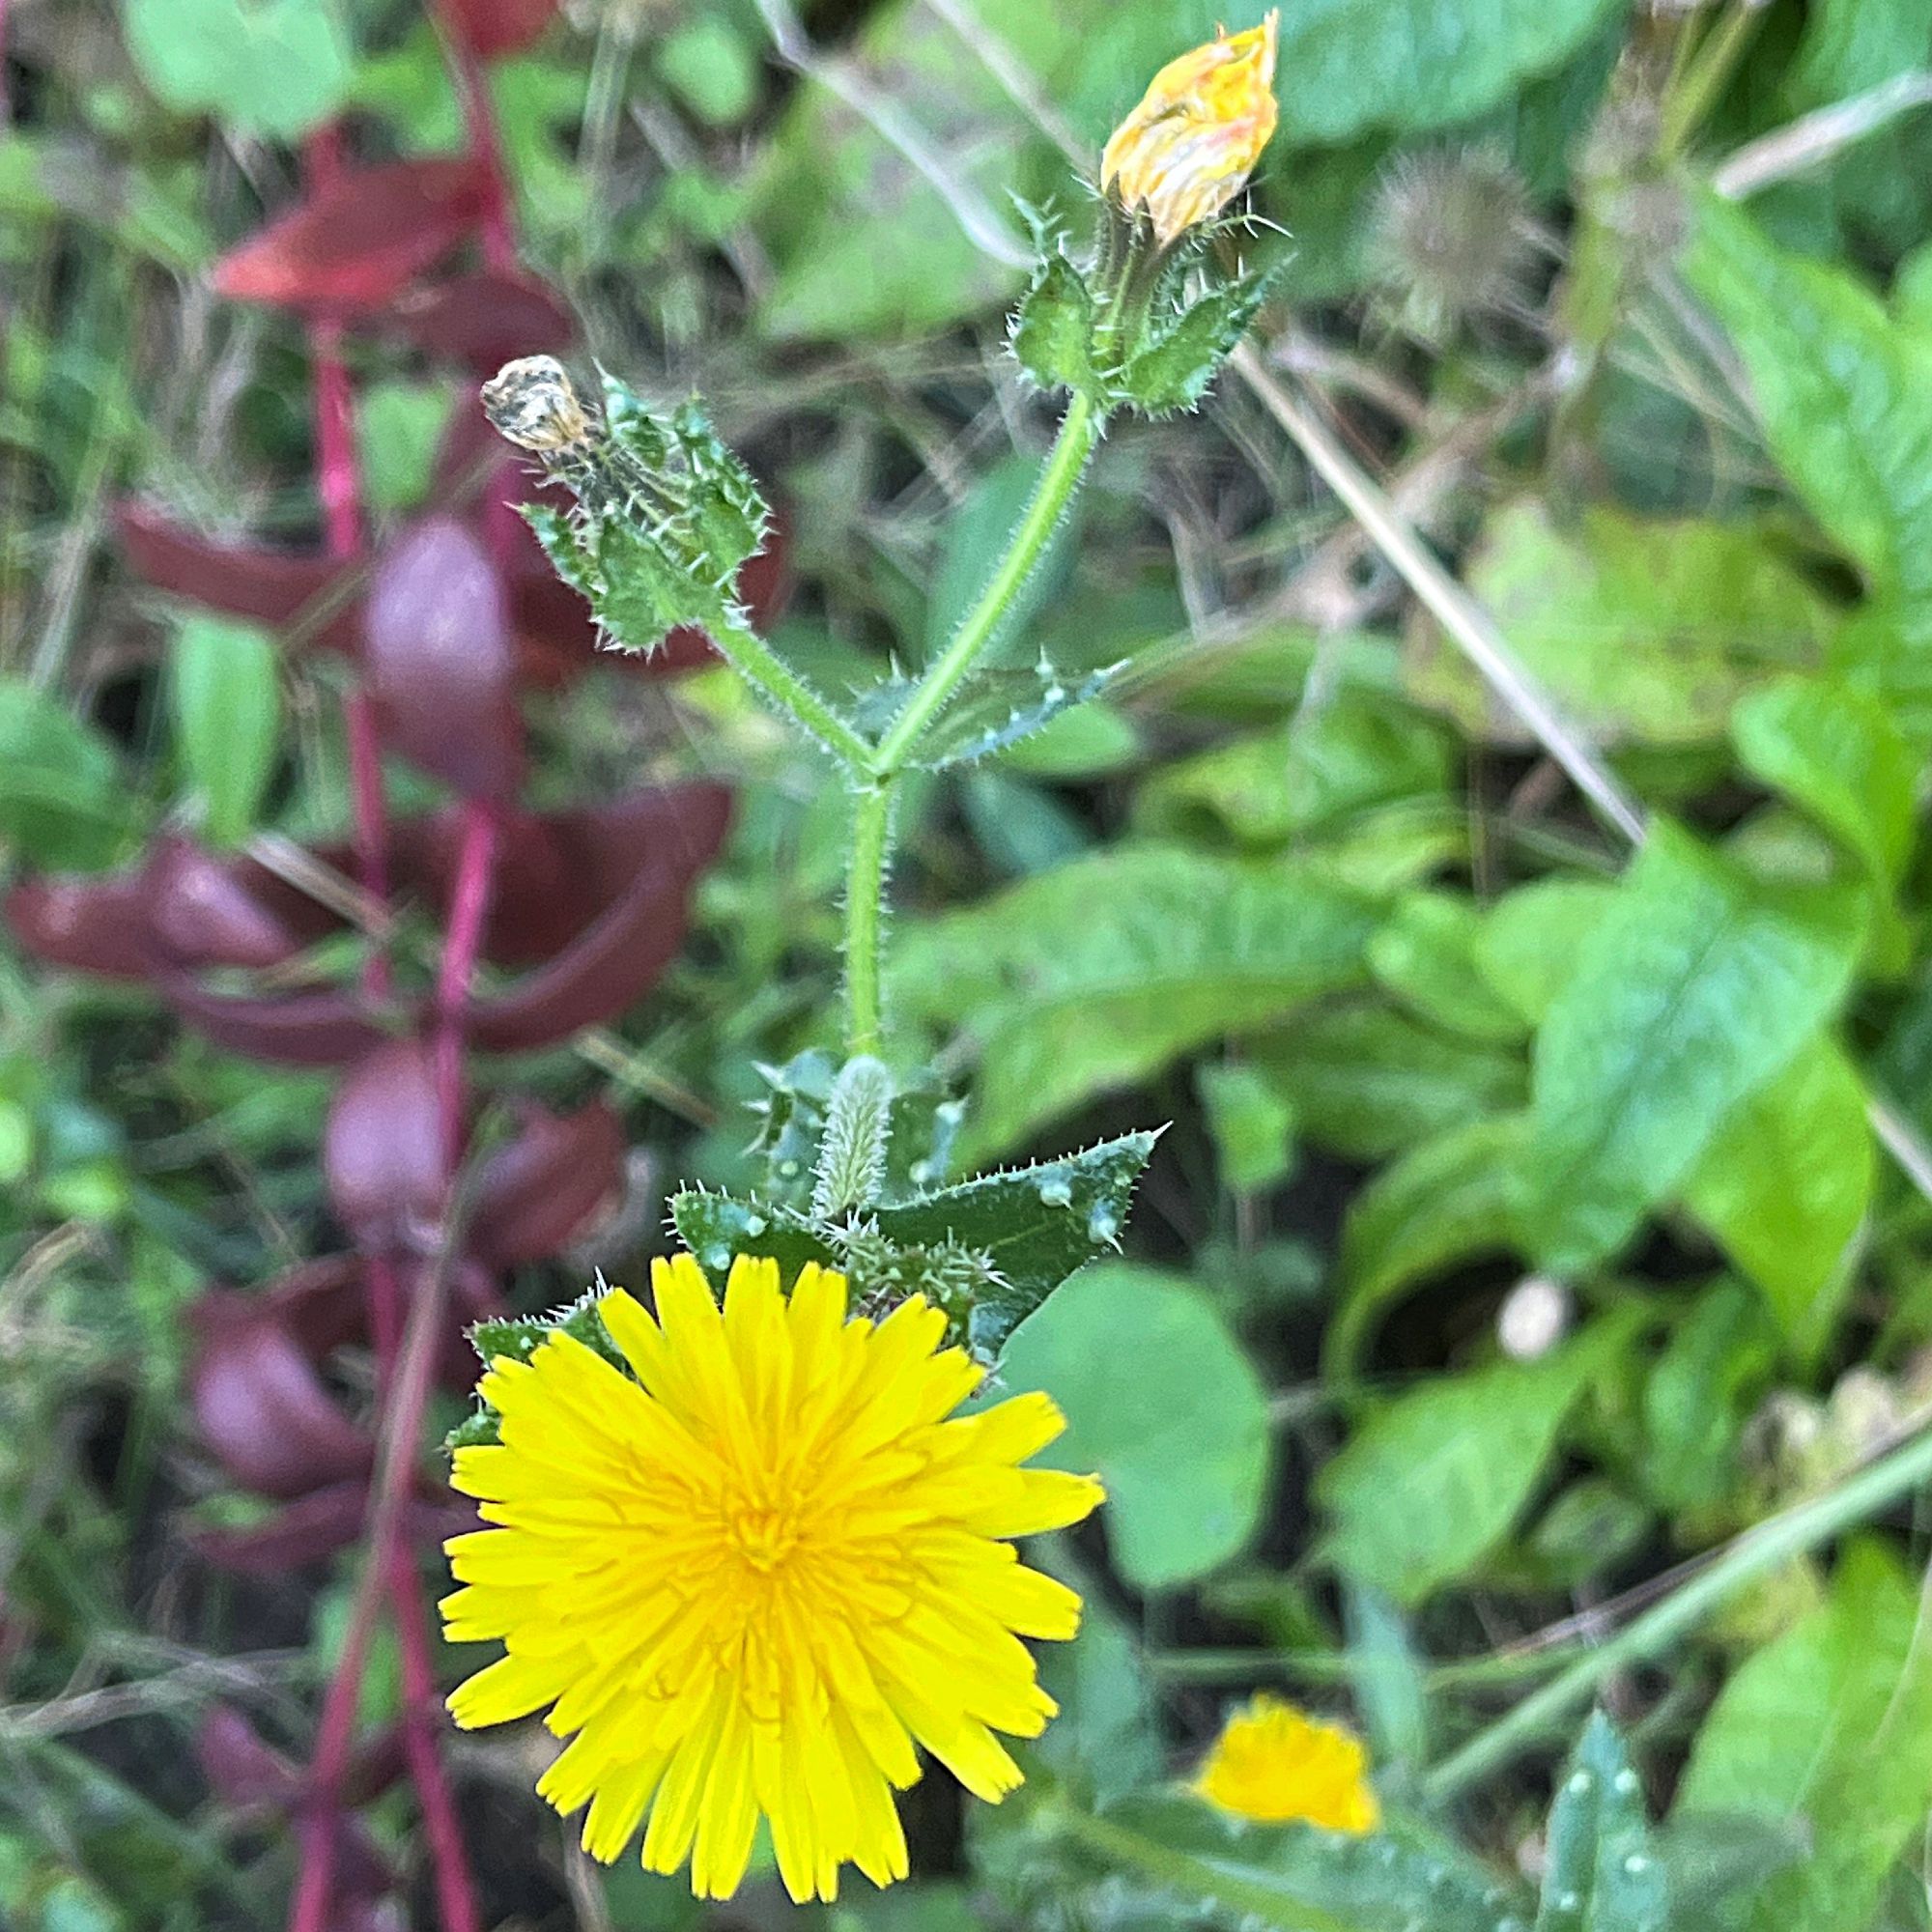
[(750, 1580), (1273, 1763), (1188, 149)]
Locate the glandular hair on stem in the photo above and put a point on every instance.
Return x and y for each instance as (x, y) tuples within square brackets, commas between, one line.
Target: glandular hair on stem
[(852, 1150)]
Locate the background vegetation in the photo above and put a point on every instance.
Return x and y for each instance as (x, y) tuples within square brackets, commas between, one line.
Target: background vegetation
[(1532, 963)]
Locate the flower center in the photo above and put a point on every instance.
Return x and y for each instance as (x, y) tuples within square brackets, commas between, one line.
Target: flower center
[(763, 1537)]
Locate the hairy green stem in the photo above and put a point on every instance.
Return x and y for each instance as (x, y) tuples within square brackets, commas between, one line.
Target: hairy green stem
[(864, 914), (1758, 1551), (759, 664), (875, 770), (1079, 432)]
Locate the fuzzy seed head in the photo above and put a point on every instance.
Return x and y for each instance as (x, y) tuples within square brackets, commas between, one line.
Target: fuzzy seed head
[(531, 401), (1453, 232), (1188, 149)]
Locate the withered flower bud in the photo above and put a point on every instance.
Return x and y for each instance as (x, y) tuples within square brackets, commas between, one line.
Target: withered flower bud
[(530, 402)]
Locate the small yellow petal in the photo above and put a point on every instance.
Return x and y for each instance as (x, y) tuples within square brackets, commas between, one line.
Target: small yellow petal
[(1273, 1763)]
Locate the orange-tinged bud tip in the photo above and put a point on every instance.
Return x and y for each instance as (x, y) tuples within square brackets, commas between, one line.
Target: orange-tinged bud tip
[(1188, 149)]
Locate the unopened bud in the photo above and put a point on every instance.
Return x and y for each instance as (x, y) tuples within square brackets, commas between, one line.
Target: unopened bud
[(1188, 149), (530, 402)]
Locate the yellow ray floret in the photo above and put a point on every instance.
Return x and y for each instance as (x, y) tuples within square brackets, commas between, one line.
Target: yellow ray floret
[(749, 1581), (1187, 150), (1273, 1763)]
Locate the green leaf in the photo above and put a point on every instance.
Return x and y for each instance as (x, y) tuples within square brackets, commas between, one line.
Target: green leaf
[(277, 67), (1642, 630), (1426, 956), (1098, 972), (1700, 1393), (1037, 1225), (1368, 1080), (1696, 989), (1530, 941), (398, 425), (1785, 1186), (1350, 65), (226, 690), (1292, 1877), (1829, 1725), (1053, 330), (1181, 1444), (1253, 1126), (1603, 1872), (1106, 1740), (1432, 1482), (1836, 752), (63, 801), (1336, 758), (1447, 1200), (997, 709), (1845, 391)]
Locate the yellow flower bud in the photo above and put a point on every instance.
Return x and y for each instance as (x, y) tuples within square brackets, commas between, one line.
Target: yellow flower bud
[(1188, 149)]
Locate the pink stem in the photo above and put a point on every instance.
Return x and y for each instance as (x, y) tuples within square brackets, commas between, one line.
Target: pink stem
[(395, 1473), (486, 147), (469, 907), (455, 1888), (338, 482)]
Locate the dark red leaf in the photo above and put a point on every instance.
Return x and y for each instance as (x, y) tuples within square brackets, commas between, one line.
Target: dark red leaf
[(324, 1028), (382, 1152), (301, 1532), (536, 1194), (262, 1407), (354, 244), (615, 961), (314, 1526), (484, 319), (92, 925), (441, 664), (202, 910), (498, 27), (240, 1768), (322, 1303), (264, 586)]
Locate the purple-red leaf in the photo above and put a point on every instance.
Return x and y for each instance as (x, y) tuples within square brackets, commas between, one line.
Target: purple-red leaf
[(240, 1768), (328, 1026), (262, 1407), (617, 958), (354, 244), (88, 925), (266, 585), (382, 1153), (484, 319), (205, 911), (540, 1191), (441, 664)]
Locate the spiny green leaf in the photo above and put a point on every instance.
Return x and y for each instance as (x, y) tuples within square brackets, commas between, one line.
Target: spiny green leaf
[(1053, 330), (1036, 1224), (1177, 369), (1603, 1872)]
